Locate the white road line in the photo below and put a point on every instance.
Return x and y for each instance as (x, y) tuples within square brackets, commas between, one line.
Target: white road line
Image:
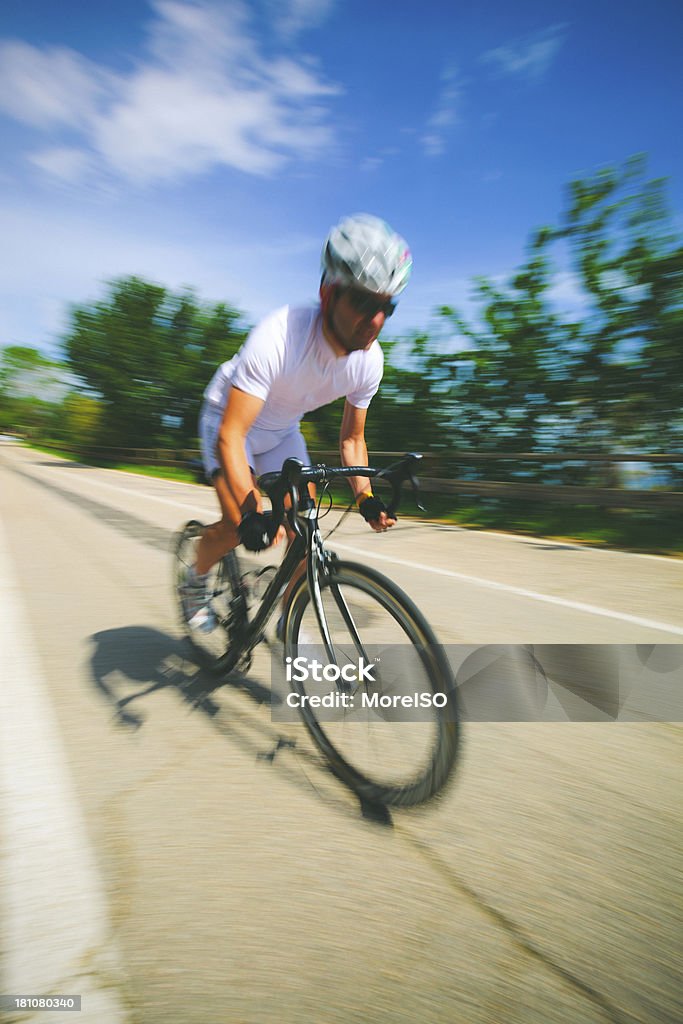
[(496, 534), (453, 528), (132, 493), (520, 591), (545, 542), (56, 936), (507, 588)]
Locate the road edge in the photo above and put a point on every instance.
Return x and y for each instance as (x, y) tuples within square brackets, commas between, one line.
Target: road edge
[(56, 935)]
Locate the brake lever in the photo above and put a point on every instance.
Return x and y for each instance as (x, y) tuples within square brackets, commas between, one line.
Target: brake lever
[(416, 491), (396, 484), (293, 512), (291, 471)]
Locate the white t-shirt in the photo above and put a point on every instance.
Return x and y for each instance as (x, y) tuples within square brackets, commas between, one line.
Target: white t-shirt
[(287, 362)]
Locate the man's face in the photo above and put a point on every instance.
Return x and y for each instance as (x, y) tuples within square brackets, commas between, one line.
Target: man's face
[(357, 317)]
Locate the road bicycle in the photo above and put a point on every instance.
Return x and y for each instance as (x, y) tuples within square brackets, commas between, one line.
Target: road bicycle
[(363, 667)]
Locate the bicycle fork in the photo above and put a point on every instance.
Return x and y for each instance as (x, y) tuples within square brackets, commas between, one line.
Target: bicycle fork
[(323, 562)]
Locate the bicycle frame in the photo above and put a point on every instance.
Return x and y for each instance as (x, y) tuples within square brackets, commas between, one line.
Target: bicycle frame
[(308, 544), (330, 608)]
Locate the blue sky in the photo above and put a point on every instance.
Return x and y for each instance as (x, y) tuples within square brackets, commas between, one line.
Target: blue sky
[(212, 145)]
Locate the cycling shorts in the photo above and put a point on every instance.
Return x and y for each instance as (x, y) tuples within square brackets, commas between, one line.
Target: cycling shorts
[(266, 449)]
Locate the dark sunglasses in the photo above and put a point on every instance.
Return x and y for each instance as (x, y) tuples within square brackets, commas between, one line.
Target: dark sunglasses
[(369, 305)]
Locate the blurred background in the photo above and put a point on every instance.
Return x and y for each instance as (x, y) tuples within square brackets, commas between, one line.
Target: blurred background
[(170, 170)]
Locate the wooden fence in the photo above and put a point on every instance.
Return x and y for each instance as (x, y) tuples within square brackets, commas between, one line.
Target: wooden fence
[(654, 498)]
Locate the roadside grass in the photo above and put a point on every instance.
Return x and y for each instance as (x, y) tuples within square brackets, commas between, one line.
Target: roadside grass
[(622, 529), (625, 529), (164, 472)]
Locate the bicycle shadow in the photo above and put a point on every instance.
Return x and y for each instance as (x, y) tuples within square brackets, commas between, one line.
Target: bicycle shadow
[(149, 660), (132, 663)]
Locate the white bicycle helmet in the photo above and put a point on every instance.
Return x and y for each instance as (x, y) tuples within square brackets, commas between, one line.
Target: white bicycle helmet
[(364, 251)]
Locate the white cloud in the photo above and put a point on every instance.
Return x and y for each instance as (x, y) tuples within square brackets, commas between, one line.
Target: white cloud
[(530, 56), (62, 162), (204, 96), (445, 115), (48, 88), (372, 163), (291, 17)]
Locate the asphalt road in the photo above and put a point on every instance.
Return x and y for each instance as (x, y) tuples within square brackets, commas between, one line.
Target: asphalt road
[(154, 860)]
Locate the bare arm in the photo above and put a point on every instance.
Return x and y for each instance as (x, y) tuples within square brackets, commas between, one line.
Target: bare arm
[(354, 452), (352, 447), (240, 413)]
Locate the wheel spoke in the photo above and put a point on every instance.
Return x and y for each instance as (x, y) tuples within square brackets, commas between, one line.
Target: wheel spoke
[(379, 726)]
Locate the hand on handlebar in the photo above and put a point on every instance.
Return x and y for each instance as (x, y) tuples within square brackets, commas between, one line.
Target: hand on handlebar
[(257, 531), (375, 512), (294, 475), (382, 524)]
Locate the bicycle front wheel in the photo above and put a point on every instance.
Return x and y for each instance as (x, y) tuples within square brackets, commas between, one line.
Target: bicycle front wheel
[(379, 699)]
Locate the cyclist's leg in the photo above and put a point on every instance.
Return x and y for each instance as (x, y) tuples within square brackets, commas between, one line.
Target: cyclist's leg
[(215, 540), (290, 445), (220, 537), (213, 544)]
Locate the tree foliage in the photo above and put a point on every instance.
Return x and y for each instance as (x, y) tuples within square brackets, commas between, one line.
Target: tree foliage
[(147, 355), (78, 419), (521, 375), (31, 386), (609, 376), (627, 382)]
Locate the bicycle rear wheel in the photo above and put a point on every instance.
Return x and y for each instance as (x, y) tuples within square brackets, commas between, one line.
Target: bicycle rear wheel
[(209, 647), (394, 737)]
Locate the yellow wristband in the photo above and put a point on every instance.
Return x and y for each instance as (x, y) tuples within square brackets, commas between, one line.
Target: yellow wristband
[(362, 496)]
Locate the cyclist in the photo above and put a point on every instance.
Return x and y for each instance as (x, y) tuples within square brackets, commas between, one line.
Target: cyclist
[(294, 361)]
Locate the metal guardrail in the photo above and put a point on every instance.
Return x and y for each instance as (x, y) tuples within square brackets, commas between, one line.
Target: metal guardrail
[(605, 497)]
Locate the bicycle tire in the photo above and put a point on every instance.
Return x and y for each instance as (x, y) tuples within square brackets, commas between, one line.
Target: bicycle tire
[(365, 590), (211, 647)]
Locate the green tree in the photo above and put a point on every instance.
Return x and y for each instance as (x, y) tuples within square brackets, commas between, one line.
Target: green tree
[(519, 360), (31, 387), (610, 376), (410, 410), (627, 379), (200, 341), (148, 354), (79, 419)]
